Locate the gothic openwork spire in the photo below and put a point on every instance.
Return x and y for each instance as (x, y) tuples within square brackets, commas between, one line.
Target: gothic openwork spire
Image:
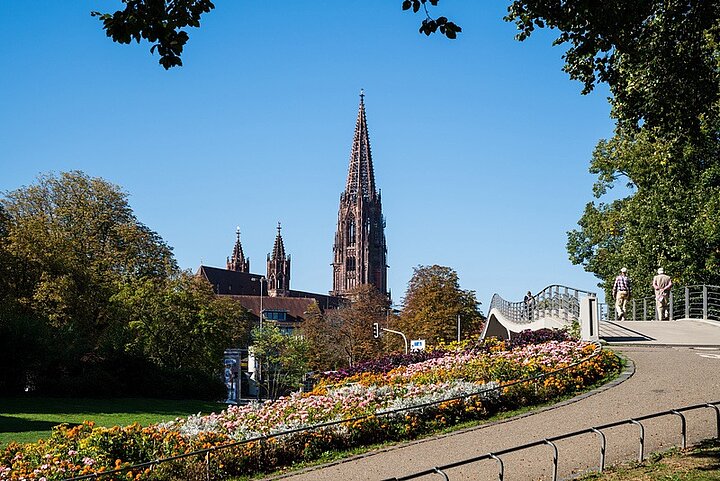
[(279, 247), (278, 268), (238, 262), (361, 178), (360, 252)]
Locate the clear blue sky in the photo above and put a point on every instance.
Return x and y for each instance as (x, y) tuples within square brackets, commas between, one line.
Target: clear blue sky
[(481, 145)]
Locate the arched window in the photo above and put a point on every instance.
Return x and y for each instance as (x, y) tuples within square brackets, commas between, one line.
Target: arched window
[(350, 231)]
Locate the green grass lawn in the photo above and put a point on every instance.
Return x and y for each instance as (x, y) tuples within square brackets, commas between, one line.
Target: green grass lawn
[(26, 420), (700, 463)]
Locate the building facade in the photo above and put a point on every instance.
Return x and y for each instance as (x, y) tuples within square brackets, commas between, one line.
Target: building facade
[(360, 250)]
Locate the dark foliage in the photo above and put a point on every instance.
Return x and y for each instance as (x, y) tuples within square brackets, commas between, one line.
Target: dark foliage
[(383, 364), (537, 337)]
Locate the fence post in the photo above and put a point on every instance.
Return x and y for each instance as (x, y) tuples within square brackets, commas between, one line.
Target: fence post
[(705, 309), (634, 318), (501, 467), (687, 302), (641, 454), (683, 427), (670, 314), (603, 444), (555, 459), (645, 317)]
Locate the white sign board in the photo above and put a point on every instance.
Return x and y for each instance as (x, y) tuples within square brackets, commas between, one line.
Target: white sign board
[(417, 345)]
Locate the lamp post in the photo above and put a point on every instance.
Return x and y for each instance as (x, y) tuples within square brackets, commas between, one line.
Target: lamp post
[(260, 314)]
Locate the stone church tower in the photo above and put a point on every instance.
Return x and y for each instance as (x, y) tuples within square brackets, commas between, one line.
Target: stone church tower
[(238, 262), (278, 268), (360, 252)]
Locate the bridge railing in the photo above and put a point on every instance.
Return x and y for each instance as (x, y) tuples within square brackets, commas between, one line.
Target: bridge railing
[(555, 301), (688, 302)]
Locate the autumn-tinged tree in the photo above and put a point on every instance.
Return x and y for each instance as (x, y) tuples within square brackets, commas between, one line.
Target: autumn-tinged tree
[(433, 301), (324, 352), (352, 324)]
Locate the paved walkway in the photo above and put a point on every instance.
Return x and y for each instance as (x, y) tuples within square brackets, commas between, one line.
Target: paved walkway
[(659, 377), (683, 332)]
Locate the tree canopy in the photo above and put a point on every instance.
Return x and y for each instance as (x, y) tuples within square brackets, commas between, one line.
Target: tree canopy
[(433, 301), (92, 300), (659, 57), (163, 24)]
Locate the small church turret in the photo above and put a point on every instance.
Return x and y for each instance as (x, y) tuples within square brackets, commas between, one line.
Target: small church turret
[(360, 251), (278, 268), (238, 262)]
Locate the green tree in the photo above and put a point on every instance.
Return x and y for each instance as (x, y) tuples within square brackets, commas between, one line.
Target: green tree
[(71, 240), (668, 220), (179, 324), (659, 57), (283, 360), (432, 303), (660, 61)]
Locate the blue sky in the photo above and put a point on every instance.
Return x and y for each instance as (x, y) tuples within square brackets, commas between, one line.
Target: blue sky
[(481, 145)]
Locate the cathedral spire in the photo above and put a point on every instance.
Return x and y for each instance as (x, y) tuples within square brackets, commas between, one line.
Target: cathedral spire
[(360, 251), (361, 177), (238, 262)]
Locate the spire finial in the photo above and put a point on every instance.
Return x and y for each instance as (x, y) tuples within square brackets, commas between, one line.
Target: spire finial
[(237, 233), (278, 227), (362, 96)]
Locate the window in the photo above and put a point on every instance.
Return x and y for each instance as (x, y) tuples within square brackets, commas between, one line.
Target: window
[(275, 315)]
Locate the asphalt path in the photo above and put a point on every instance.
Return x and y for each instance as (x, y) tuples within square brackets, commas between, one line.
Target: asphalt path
[(659, 378)]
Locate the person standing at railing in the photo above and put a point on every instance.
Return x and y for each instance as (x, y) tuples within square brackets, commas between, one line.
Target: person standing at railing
[(621, 293), (662, 285), (528, 302)]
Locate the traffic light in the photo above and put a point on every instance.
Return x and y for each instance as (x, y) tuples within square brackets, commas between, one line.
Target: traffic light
[(376, 330)]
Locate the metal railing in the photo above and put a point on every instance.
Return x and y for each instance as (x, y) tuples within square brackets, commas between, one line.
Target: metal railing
[(441, 470), (206, 453), (689, 302), (555, 301)]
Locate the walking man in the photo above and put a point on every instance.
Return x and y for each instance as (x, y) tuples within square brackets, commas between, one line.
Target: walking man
[(621, 293), (662, 285)]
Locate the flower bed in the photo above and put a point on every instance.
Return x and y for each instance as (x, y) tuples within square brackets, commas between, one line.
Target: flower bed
[(344, 410)]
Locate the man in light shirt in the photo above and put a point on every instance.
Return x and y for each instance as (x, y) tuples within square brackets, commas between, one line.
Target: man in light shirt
[(662, 285)]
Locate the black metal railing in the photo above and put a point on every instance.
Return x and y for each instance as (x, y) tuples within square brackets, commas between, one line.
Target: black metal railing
[(496, 455)]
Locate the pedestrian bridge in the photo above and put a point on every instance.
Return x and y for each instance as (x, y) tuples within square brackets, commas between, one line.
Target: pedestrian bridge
[(555, 307), (558, 307)]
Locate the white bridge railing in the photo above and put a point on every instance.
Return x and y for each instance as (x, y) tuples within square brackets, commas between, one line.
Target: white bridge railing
[(689, 302), (556, 302)]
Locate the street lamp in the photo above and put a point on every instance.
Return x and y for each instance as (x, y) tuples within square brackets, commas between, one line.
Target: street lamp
[(260, 316), (261, 279)]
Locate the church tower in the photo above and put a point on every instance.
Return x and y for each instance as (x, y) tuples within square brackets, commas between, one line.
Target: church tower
[(278, 268), (238, 262), (360, 252)]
